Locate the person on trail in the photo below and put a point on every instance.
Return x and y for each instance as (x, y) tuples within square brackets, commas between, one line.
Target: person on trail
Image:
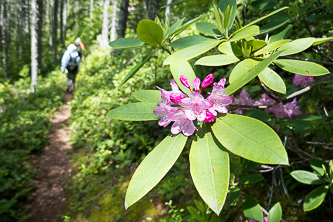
[(79, 47), (70, 63)]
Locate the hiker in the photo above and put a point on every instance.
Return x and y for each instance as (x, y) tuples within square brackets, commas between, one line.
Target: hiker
[(70, 63), (79, 47)]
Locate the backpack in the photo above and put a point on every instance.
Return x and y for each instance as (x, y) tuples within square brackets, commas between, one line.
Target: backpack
[(72, 64)]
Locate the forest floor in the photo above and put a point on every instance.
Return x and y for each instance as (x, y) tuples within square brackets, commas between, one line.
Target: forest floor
[(53, 171)]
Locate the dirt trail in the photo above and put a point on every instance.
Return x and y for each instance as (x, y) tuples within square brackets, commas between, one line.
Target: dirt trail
[(53, 171)]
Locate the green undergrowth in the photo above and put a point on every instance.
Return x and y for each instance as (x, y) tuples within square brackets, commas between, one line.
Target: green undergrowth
[(24, 129)]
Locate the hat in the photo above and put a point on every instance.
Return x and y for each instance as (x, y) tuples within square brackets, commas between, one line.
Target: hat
[(77, 41), (71, 48)]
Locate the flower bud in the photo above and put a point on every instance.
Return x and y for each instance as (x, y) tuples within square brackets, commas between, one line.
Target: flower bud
[(176, 98), (207, 81), (185, 82), (196, 84)]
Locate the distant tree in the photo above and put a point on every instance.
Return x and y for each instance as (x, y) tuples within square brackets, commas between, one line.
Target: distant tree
[(91, 9), (7, 35), (122, 21), (105, 29), (2, 23), (55, 31), (113, 20), (40, 31), (34, 54), (153, 9), (61, 24), (167, 9)]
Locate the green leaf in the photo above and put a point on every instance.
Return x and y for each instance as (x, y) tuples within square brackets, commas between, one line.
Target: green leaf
[(318, 41), (223, 5), (256, 44), (272, 80), (281, 35), (250, 139), (315, 198), (190, 41), (134, 112), (154, 167), (178, 67), (262, 18), (249, 179), (242, 68), (136, 68), (271, 46), (307, 177), (148, 96), (209, 166), (173, 29), (126, 43), (301, 67), (242, 80), (331, 169), (275, 213), (208, 29), (317, 165), (252, 209), (230, 48), (272, 26), (150, 32), (296, 46), (192, 51), (194, 213), (217, 60), (234, 195), (249, 31)]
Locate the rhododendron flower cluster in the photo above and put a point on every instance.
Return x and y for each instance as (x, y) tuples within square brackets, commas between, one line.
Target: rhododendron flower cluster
[(300, 80), (289, 110), (183, 110)]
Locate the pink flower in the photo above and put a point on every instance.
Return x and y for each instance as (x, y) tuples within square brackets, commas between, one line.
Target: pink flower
[(291, 109), (300, 80), (210, 117), (196, 84), (207, 81), (265, 219), (218, 99), (195, 106), (164, 111), (264, 100), (166, 94), (243, 99), (185, 82), (182, 123)]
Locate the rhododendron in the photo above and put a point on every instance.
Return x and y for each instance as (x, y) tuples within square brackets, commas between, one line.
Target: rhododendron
[(300, 80), (243, 99), (193, 107)]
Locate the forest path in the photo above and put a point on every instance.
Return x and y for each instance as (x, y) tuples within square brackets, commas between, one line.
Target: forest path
[(53, 171)]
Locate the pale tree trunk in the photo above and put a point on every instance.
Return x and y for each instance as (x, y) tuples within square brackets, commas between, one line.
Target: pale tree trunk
[(21, 25), (167, 9), (49, 16), (153, 9), (40, 32), (122, 21), (55, 31), (7, 36), (113, 21), (105, 29), (62, 40), (64, 20), (2, 24), (34, 62), (91, 9)]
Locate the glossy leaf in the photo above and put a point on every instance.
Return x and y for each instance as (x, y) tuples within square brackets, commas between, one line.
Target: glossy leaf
[(272, 80), (192, 51), (252, 209), (136, 68), (331, 169), (148, 96), (249, 31), (190, 41), (272, 26), (318, 166), (154, 167), (217, 60), (230, 48), (281, 35), (234, 195), (242, 68), (318, 41), (315, 198), (208, 29), (150, 32), (250, 139), (307, 177), (256, 44), (178, 67), (223, 5), (242, 80), (271, 46), (275, 213), (249, 179), (126, 43), (134, 112), (301, 67), (173, 29), (209, 166), (296, 46)]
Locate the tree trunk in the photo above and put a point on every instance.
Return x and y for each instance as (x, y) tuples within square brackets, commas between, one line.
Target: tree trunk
[(21, 25), (91, 9), (40, 31), (122, 22), (113, 21), (1, 29), (105, 29), (62, 40), (55, 31), (66, 4), (7, 36), (153, 9), (34, 63), (167, 9)]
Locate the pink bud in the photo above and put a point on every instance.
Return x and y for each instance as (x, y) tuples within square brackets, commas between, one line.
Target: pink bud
[(176, 97), (196, 84), (185, 82), (265, 219), (207, 81)]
